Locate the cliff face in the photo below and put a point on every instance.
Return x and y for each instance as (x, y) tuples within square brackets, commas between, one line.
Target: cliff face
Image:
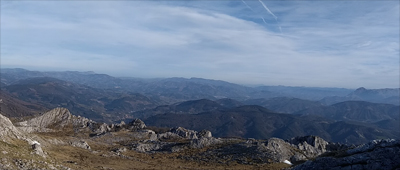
[(8, 131)]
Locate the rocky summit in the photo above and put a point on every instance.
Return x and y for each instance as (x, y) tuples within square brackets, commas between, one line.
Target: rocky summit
[(59, 140), (57, 119)]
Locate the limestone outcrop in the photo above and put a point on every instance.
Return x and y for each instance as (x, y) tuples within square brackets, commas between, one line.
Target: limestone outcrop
[(137, 124), (204, 142), (80, 144), (377, 154), (176, 139), (8, 131), (306, 152), (37, 148), (55, 120)]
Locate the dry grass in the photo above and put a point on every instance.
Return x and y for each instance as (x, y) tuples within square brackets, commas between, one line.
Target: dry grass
[(102, 156), (77, 158), (19, 150)]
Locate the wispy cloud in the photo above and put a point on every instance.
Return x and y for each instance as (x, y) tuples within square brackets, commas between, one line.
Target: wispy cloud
[(325, 43)]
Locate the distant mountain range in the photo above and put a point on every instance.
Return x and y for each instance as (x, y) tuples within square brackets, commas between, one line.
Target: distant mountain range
[(226, 109), (98, 104), (355, 111), (389, 96), (172, 90), (253, 121), (284, 104), (187, 107), (307, 93), (15, 108)]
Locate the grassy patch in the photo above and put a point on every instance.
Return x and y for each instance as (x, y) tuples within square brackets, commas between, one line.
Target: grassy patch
[(18, 150)]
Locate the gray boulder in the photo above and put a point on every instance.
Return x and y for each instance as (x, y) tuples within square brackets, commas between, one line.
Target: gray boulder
[(167, 136), (101, 129), (203, 142), (377, 154), (204, 133), (311, 146), (178, 133), (279, 150), (184, 133), (80, 144), (137, 124), (37, 149), (149, 146)]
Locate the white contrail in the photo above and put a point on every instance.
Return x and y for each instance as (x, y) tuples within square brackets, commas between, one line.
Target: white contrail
[(266, 8), (269, 11), (263, 20), (253, 10), (248, 6)]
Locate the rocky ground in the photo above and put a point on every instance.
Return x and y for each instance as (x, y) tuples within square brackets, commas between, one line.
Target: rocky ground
[(377, 154), (59, 140)]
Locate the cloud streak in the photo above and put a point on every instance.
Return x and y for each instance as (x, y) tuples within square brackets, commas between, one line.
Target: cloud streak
[(263, 20), (247, 5), (269, 11), (150, 39)]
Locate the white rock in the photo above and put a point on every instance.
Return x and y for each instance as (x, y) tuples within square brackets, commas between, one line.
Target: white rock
[(287, 162), (8, 130)]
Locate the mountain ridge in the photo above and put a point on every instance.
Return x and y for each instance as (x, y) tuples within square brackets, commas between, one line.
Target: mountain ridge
[(252, 121), (83, 100), (356, 111), (174, 90)]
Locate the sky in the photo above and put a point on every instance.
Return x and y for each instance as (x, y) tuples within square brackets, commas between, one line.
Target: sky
[(346, 44)]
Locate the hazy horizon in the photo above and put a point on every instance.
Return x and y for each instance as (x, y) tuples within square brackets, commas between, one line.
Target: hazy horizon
[(248, 85), (344, 44)]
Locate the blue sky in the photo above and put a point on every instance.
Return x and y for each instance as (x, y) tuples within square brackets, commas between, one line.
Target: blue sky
[(295, 43)]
